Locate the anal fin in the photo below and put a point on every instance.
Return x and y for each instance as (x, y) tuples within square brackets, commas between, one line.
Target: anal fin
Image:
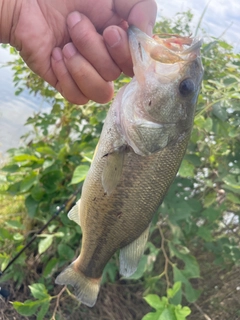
[(74, 213), (131, 254)]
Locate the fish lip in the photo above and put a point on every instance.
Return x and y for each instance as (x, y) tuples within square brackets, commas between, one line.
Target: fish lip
[(138, 42), (195, 46)]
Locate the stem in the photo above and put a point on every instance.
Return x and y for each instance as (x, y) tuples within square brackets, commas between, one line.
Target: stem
[(57, 302), (167, 260), (201, 311)]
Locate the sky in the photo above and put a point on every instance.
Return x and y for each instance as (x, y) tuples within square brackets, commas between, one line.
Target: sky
[(220, 16)]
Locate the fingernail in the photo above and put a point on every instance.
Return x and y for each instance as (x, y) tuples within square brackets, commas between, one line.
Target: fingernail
[(57, 54), (69, 50), (113, 38), (149, 30), (73, 18)]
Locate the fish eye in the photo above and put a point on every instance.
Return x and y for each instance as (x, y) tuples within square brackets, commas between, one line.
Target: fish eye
[(186, 87)]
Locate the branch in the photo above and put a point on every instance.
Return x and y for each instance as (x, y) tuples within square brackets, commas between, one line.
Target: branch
[(167, 260), (57, 302)]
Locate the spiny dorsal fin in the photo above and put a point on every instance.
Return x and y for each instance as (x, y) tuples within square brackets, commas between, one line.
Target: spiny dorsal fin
[(74, 213)]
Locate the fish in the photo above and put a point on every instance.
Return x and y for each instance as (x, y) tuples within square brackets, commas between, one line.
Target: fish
[(142, 144)]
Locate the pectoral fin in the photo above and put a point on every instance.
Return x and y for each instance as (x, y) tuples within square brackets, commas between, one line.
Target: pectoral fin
[(74, 213), (112, 170), (130, 255)]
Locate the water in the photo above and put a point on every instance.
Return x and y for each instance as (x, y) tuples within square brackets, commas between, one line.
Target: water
[(14, 110)]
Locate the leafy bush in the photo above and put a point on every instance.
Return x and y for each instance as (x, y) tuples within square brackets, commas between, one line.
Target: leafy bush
[(199, 215)]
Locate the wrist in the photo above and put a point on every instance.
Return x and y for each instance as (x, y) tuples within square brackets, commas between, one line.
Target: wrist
[(9, 13)]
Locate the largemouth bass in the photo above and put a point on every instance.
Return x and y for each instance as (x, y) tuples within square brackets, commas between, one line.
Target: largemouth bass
[(142, 144)]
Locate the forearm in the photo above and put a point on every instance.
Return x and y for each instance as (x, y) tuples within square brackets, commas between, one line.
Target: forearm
[(9, 12)]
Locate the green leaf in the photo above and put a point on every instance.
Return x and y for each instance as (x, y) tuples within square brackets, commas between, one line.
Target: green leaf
[(182, 211), (25, 157), (191, 294), (39, 291), (154, 301), (209, 199), (49, 269), (171, 292), (177, 299), (10, 168), (15, 224), (4, 234), (48, 163), (109, 273), (18, 237), (31, 206), (44, 244), (231, 181), (212, 214), (152, 316), (199, 121), (140, 269), (28, 182), (79, 174), (165, 310), (46, 150), (14, 188), (101, 115), (56, 108), (27, 308), (208, 124), (220, 112), (50, 180), (182, 313), (231, 197), (37, 192), (205, 233), (191, 269), (167, 314), (194, 159), (43, 310), (65, 251), (186, 169)]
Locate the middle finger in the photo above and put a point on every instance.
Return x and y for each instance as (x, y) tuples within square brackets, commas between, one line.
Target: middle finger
[(91, 46)]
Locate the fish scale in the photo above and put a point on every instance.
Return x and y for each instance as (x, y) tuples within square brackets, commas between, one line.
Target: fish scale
[(143, 141)]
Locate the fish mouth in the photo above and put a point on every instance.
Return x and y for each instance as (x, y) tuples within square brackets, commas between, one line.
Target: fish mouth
[(164, 48)]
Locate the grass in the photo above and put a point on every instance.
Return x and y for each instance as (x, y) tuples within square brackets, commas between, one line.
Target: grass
[(10, 205)]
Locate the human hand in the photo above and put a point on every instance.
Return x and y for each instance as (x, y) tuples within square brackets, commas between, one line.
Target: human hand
[(84, 70)]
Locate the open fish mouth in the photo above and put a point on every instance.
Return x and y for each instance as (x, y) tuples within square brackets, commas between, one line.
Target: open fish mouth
[(178, 44), (164, 48)]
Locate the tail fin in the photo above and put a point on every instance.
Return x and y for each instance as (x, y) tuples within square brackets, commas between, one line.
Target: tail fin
[(86, 289)]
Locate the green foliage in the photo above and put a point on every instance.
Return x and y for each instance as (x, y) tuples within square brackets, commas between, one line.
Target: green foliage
[(199, 215), (165, 310), (37, 307)]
